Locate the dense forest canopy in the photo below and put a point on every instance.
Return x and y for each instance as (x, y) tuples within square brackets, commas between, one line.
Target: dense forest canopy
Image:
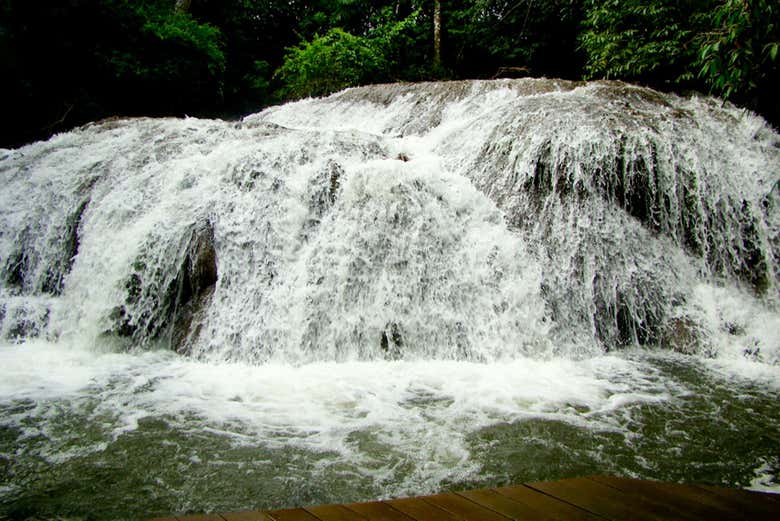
[(68, 62)]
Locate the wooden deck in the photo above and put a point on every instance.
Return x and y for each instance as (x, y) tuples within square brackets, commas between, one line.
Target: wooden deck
[(594, 498)]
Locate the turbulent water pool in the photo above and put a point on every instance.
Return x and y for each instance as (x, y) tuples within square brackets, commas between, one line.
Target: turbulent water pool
[(123, 436), (398, 289)]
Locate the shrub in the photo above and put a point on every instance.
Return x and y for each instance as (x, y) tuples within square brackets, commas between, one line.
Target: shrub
[(330, 63)]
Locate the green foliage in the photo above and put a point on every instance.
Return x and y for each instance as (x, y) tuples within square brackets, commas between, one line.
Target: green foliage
[(182, 29), (729, 47), (641, 40), (329, 63), (405, 44), (257, 80), (254, 33), (356, 17), (484, 35), (66, 63), (741, 49), (163, 46)]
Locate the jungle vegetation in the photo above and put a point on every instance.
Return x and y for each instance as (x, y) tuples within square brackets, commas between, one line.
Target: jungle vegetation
[(67, 62)]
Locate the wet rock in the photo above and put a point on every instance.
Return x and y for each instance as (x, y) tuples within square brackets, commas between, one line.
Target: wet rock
[(122, 322), (754, 267), (734, 329), (167, 301), (54, 280), (324, 189), (336, 171), (189, 321), (752, 351), (682, 334), (32, 269), (15, 269), (198, 279), (512, 72), (391, 341), (21, 322), (201, 263)]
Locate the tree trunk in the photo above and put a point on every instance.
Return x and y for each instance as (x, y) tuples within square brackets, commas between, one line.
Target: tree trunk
[(437, 34), (182, 6)]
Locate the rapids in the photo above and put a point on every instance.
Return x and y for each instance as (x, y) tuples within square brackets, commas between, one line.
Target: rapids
[(392, 290)]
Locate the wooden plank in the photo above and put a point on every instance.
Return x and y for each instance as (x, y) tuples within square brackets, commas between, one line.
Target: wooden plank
[(774, 496), (290, 514), (753, 506), (690, 500), (245, 516), (418, 509), (505, 506), (607, 501), (464, 508), (765, 498), (378, 511), (200, 517), (552, 507), (594, 498), (334, 513)]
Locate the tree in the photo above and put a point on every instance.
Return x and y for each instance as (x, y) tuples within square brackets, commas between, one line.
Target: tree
[(255, 36), (729, 47), (641, 40), (66, 63), (182, 6), (168, 57), (73, 62), (436, 35), (485, 35), (739, 54), (329, 63)]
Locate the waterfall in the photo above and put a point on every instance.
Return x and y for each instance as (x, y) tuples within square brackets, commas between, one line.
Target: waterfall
[(479, 220)]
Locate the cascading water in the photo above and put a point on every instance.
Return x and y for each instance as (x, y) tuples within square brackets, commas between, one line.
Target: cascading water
[(424, 285)]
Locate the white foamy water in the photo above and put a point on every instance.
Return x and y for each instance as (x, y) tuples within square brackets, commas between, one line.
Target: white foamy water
[(389, 291), (388, 427), (470, 221), (318, 404), (421, 412)]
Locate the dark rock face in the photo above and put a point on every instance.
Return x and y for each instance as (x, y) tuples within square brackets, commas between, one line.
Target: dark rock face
[(22, 320), (28, 270), (39, 259), (512, 72), (324, 188), (665, 204), (188, 323), (624, 210), (636, 178), (24, 327), (392, 342), (682, 334), (335, 175), (197, 281), (200, 265), (159, 305)]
